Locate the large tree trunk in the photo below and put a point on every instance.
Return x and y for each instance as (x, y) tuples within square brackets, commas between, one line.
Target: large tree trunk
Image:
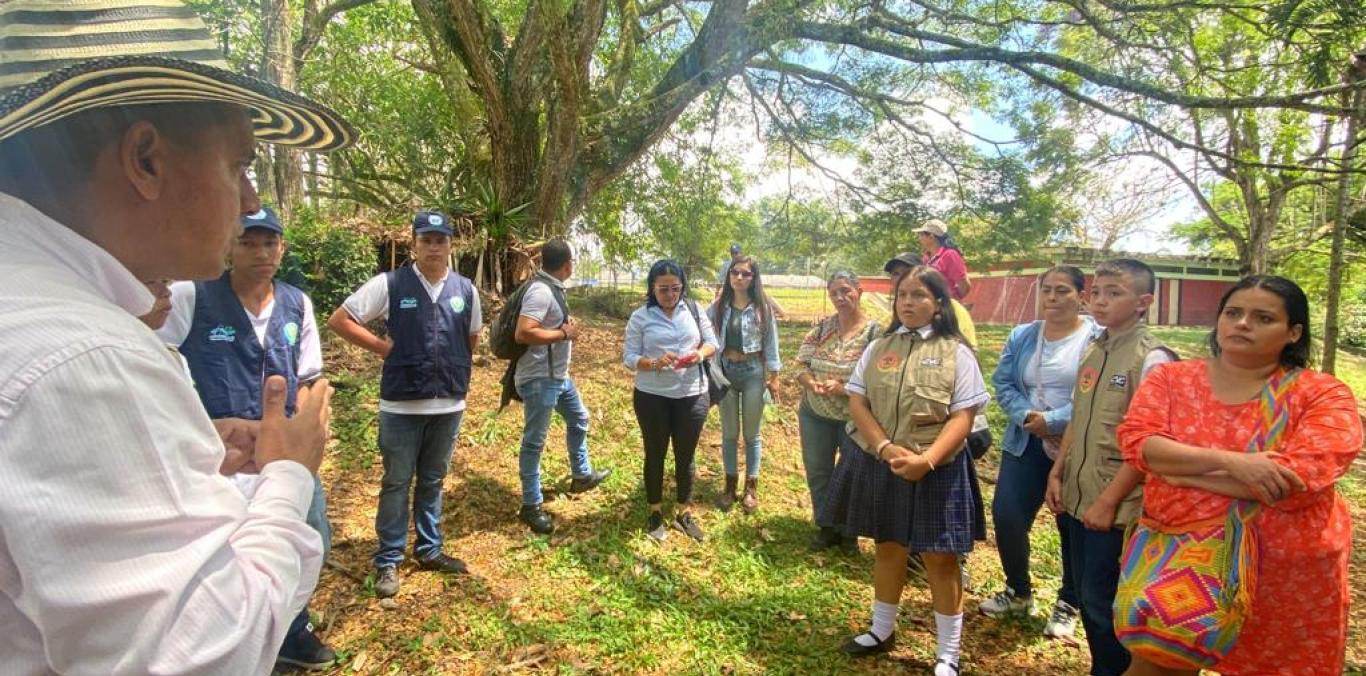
[(1335, 260), (279, 173)]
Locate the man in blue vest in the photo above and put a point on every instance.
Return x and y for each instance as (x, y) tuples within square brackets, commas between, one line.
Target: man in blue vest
[(234, 332), (433, 321), (543, 383)]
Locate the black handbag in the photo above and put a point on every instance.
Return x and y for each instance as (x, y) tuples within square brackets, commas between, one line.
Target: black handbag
[(715, 391)]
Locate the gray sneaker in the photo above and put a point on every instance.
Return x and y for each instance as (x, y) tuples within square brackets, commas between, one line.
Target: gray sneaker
[(386, 581), (655, 528), (1006, 602), (684, 522), (1063, 622)]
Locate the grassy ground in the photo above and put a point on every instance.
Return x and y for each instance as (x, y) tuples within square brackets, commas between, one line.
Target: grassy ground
[(597, 596)]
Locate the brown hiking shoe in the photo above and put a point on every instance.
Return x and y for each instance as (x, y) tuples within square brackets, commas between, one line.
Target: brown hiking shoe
[(727, 499), (751, 501)]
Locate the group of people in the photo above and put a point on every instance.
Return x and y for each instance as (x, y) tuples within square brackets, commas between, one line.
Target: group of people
[(161, 508), (1104, 425)]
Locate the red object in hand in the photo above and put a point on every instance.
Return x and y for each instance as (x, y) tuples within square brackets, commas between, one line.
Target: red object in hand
[(687, 360)]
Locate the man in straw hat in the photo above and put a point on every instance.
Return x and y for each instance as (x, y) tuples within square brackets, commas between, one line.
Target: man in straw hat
[(124, 147)]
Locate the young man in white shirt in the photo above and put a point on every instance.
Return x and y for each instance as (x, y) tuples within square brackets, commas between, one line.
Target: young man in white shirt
[(126, 550), (234, 332), (433, 320)]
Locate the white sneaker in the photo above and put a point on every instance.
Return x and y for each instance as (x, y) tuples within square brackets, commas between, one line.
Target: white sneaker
[(1005, 602), (1063, 622)]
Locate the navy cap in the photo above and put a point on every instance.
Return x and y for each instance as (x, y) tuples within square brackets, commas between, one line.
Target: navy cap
[(265, 218), (432, 221)]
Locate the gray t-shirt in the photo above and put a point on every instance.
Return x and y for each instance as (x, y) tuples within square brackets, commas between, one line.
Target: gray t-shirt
[(539, 304)]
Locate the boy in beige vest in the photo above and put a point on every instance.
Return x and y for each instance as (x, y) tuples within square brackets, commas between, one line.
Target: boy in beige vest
[(1090, 486)]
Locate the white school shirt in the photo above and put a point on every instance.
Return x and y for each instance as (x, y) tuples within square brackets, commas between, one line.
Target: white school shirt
[(371, 302), (122, 549), (177, 328)]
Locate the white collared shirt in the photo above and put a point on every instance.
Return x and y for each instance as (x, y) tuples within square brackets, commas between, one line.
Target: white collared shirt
[(122, 549)]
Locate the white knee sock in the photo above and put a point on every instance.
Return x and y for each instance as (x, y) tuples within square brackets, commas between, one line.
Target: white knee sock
[(884, 623), (949, 636)]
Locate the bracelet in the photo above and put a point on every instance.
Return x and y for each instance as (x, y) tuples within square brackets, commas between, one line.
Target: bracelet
[(564, 334), (928, 462), (885, 443)]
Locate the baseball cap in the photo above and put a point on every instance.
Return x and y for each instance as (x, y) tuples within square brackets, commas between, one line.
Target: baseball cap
[(264, 219), (432, 221), (935, 227), (906, 257)]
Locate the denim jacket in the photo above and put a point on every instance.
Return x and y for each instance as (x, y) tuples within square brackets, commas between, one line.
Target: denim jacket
[(1008, 379), (750, 334)]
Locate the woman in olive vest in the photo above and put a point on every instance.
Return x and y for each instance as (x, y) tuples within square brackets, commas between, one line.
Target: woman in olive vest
[(903, 478)]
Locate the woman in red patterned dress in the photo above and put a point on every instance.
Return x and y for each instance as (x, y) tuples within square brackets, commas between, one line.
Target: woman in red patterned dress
[(1188, 428)]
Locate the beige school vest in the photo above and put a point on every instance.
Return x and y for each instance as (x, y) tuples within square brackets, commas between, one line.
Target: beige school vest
[(909, 385), (1106, 382)]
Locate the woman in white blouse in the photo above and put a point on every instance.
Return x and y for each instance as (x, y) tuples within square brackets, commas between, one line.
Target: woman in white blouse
[(667, 340)]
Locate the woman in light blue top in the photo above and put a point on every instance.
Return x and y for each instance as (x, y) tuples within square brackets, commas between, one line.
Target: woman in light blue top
[(1034, 381), (666, 341), (748, 336)]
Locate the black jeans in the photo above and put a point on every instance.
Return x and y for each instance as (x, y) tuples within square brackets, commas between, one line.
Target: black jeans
[(663, 419)]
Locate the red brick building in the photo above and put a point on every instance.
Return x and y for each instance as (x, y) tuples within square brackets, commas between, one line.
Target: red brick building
[(1188, 289)]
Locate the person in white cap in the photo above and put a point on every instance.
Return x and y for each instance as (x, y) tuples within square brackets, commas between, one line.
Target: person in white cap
[(125, 549), (943, 255)]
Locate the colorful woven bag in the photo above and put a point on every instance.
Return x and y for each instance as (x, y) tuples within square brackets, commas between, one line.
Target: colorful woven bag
[(1185, 591)]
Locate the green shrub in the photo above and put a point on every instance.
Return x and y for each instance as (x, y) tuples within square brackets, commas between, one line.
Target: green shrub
[(329, 262)]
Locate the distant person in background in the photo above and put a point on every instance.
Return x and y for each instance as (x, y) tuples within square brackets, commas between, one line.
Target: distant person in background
[(899, 264), (943, 255), (1034, 382), (666, 341), (748, 337), (827, 357)]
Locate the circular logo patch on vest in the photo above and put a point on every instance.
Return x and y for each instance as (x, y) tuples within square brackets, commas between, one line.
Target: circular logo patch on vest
[(291, 333), (1086, 379), (458, 304), (889, 361)]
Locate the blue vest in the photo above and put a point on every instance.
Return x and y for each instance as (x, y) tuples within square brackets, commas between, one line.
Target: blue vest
[(431, 354), (228, 364)]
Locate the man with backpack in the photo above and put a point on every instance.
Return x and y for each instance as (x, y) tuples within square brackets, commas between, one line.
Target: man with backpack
[(433, 320), (542, 341)]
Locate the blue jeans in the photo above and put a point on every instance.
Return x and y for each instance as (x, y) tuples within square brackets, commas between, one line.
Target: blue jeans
[(820, 443), (411, 445), (742, 408), (539, 397), (1095, 569), (1020, 488)]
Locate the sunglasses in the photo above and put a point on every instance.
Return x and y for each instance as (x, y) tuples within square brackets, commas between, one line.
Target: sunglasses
[(677, 288), (742, 274)]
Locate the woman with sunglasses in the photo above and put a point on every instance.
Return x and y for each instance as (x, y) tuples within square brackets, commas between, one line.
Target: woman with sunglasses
[(749, 359), (666, 341)]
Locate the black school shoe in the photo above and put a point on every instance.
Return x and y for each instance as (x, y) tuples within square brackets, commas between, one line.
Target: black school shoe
[(444, 564), (824, 539), (536, 519), (853, 648), (303, 650)]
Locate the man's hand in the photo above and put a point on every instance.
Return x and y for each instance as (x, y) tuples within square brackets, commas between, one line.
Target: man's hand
[(1101, 515), (1053, 494), (1035, 424), (239, 440), (301, 438), (570, 328)]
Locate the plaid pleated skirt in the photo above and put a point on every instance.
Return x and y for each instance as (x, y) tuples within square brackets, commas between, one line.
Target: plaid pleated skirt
[(943, 512)]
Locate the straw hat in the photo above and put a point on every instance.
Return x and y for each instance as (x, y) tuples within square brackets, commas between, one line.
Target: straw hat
[(61, 57)]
